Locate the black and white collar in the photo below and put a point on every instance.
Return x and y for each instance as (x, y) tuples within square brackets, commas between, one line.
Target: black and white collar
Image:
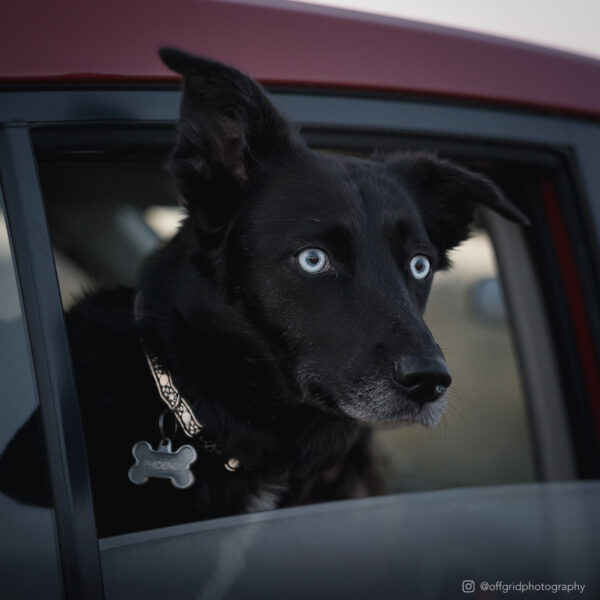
[(170, 395), (176, 403)]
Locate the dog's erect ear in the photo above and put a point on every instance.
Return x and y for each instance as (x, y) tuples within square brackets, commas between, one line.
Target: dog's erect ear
[(447, 194), (227, 126)]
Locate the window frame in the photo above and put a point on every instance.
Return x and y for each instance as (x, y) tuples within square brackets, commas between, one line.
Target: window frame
[(22, 111), (59, 407)]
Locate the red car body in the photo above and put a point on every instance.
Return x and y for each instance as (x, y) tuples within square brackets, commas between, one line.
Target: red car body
[(284, 43)]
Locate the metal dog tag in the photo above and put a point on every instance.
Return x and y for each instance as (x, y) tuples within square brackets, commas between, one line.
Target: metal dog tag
[(163, 463)]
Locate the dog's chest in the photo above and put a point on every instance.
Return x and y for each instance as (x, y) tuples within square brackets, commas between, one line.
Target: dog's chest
[(266, 497)]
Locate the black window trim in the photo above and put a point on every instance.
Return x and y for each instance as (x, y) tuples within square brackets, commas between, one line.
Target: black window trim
[(555, 448), (59, 407)]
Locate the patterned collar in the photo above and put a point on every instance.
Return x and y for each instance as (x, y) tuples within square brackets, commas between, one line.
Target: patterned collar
[(172, 398), (177, 404)]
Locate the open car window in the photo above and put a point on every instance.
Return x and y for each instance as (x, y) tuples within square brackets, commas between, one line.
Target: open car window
[(111, 203)]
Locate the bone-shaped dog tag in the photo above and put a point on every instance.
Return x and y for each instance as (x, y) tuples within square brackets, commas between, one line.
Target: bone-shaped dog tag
[(163, 463)]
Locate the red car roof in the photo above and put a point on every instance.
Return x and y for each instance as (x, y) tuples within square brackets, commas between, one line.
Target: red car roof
[(286, 43)]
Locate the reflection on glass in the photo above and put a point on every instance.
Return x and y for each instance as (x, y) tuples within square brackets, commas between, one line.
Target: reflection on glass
[(29, 564)]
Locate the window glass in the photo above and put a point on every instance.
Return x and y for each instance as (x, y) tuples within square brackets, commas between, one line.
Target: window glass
[(29, 563)]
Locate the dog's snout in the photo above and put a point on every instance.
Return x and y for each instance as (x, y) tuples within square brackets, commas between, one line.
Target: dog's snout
[(423, 379)]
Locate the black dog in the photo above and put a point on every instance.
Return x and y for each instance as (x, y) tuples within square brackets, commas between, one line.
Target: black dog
[(283, 321)]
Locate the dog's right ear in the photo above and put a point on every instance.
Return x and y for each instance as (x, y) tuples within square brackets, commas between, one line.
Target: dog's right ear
[(227, 127), (446, 195)]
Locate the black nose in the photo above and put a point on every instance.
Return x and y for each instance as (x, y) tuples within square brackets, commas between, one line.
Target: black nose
[(422, 378)]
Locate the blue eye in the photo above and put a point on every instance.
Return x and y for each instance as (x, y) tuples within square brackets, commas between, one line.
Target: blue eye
[(313, 261), (419, 266)]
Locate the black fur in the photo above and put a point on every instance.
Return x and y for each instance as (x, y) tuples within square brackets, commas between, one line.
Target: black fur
[(287, 371)]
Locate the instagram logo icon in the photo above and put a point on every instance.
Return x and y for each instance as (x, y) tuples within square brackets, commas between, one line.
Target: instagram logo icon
[(468, 586)]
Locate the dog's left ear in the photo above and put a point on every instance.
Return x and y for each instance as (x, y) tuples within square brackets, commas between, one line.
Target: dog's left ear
[(226, 128), (447, 194)]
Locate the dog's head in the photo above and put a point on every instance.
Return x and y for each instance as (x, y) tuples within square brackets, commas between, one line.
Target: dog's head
[(330, 257)]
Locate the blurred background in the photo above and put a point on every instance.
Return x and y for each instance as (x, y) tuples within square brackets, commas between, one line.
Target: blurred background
[(570, 25)]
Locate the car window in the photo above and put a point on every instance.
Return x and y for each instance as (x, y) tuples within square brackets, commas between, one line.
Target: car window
[(28, 542), (108, 212)]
